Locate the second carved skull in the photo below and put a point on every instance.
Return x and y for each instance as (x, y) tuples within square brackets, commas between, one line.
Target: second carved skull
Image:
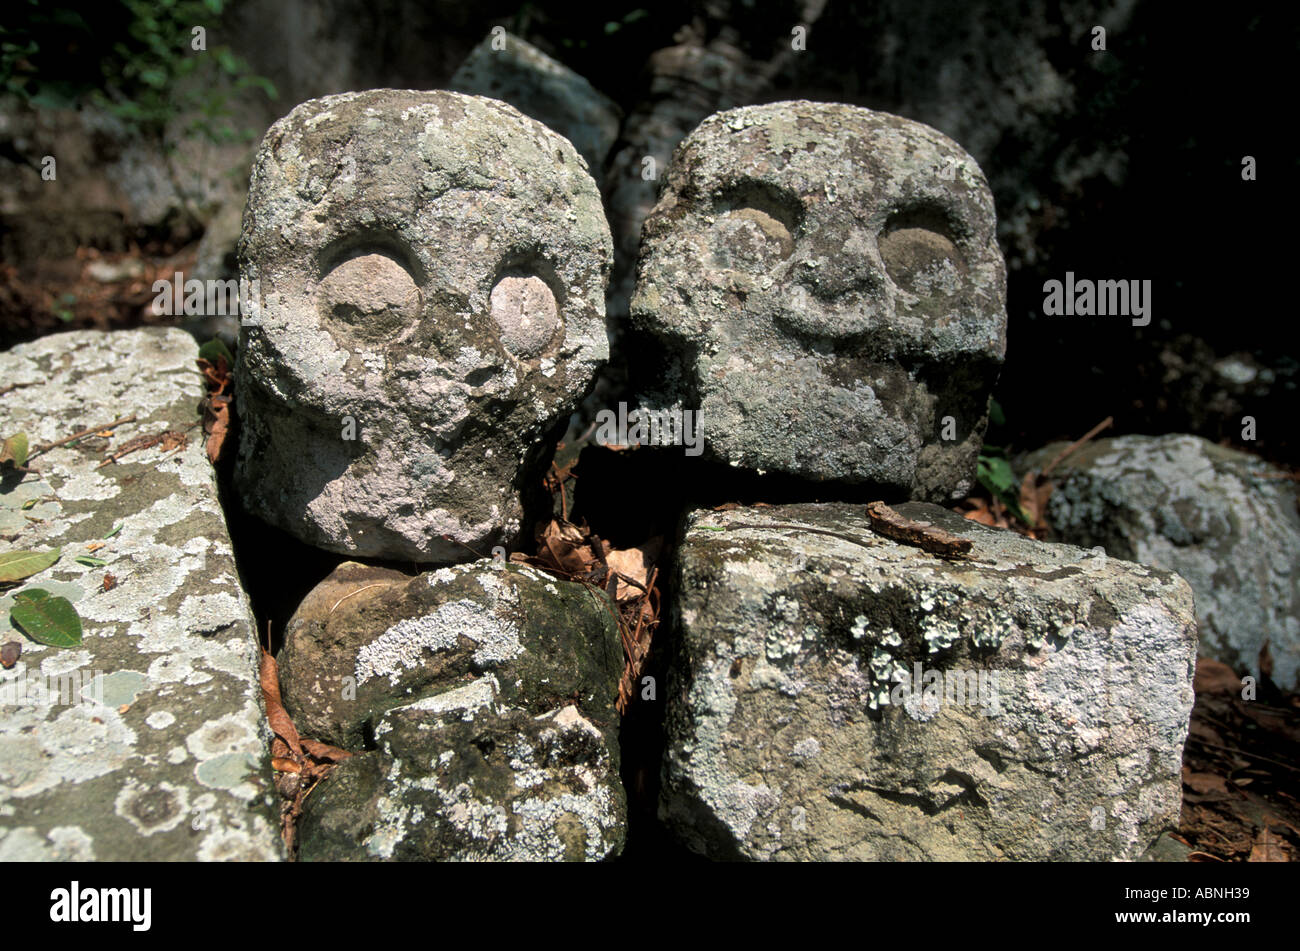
[(830, 281)]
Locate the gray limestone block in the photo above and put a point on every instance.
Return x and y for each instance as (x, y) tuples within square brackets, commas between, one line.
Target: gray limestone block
[(838, 695), (368, 639), (1225, 520), (461, 777), (485, 697), (505, 67), (150, 742)]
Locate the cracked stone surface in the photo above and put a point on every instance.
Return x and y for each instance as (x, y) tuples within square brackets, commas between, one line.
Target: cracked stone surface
[(1224, 520), (430, 274), (150, 744), (486, 692), (829, 283), (798, 728)]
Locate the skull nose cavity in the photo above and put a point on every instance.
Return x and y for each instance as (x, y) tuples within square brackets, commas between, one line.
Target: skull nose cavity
[(524, 309), (371, 297)]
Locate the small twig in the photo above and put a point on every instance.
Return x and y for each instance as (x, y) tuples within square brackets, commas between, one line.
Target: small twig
[(1243, 753), (16, 386), (377, 584), (146, 441), (1074, 446), (81, 435)]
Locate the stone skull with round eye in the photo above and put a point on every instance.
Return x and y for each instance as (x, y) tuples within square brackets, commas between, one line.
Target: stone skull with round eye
[(430, 272), (830, 279)]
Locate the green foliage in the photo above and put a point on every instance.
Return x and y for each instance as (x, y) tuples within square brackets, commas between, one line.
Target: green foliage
[(213, 350), (994, 469), (995, 474), (17, 565), (134, 58), (46, 618)]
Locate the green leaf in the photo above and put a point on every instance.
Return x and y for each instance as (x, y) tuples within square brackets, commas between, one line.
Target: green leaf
[(215, 348), (45, 618), (14, 450), (29, 504), (17, 565), (90, 561), (996, 416), (995, 474), (114, 531)]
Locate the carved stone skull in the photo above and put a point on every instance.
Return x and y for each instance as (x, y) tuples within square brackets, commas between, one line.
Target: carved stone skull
[(430, 271), (830, 279)]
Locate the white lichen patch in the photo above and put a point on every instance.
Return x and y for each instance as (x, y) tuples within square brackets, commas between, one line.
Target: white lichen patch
[(402, 646), (463, 701)]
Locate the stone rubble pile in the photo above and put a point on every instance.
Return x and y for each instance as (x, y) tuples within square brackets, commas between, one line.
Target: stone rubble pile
[(429, 274)]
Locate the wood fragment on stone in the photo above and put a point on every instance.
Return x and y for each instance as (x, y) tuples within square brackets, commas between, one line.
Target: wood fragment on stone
[(885, 521)]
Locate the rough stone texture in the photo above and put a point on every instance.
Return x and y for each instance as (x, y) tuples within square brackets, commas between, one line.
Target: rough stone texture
[(163, 757), (544, 89), (377, 226), (486, 692), (460, 776), (723, 56), (793, 622), (1224, 520), (395, 638), (831, 282)]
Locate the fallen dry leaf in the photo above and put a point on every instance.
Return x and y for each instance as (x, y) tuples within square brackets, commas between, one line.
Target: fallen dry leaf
[(9, 654), (299, 763), (633, 563), (1268, 848), (323, 751), (1204, 783), (1214, 677), (216, 423), (276, 714)]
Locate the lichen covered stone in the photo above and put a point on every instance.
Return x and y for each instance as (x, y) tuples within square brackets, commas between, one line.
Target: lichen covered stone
[(837, 695), (830, 282), (1224, 520), (427, 273), (480, 698), (150, 743)]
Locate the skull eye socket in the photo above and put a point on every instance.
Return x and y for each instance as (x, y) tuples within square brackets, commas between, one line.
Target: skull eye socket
[(526, 313), (754, 225), (747, 237), (920, 255), (371, 297)]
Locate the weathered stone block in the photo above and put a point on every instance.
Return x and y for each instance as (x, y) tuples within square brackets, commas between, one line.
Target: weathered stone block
[(158, 752), (838, 695), (486, 695), (830, 280)]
